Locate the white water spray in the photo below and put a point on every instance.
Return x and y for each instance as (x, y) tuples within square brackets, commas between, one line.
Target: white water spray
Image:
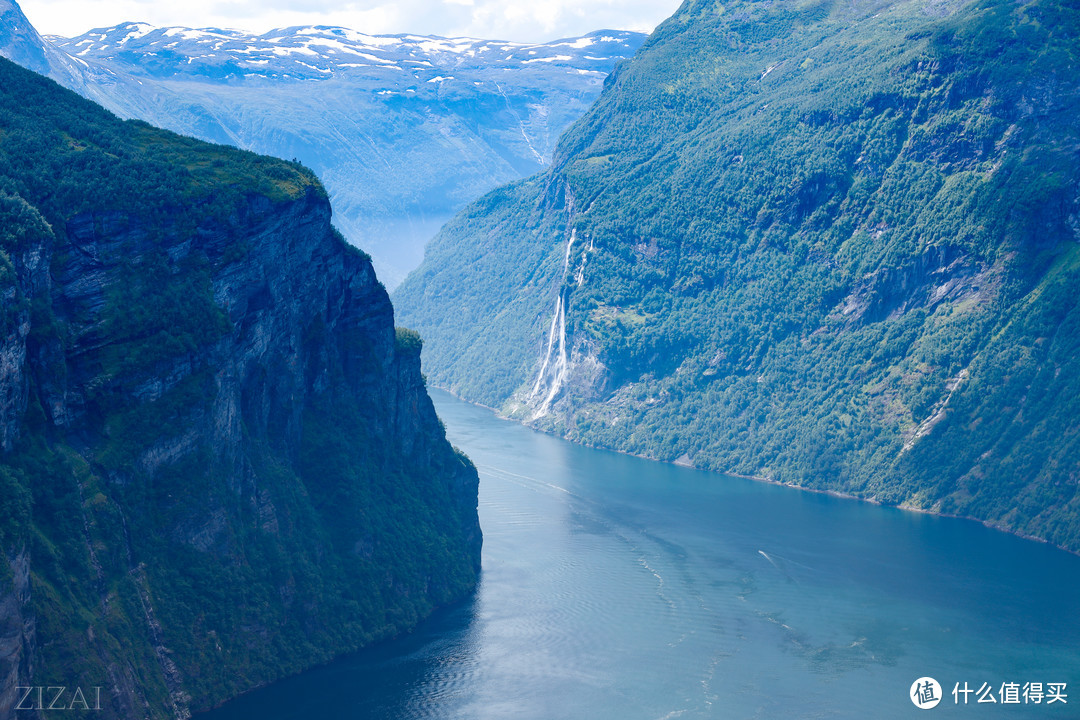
[(553, 373)]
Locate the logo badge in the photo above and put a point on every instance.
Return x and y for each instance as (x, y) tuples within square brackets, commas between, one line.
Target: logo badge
[(925, 693)]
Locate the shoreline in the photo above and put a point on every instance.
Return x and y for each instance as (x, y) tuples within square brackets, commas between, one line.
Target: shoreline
[(770, 481)]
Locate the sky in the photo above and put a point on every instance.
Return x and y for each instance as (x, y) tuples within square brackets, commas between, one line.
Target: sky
[(519, 20)]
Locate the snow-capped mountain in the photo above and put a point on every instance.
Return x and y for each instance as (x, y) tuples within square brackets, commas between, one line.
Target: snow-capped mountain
[(21, 43), (321, 52), (403, 130)]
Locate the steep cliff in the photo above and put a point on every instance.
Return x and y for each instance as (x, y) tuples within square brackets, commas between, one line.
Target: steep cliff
[(826, 243), (219, 462)]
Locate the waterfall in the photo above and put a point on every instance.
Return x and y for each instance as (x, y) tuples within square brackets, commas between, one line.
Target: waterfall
[(550, 342), (559, 370), (579, 276), (553, 374)]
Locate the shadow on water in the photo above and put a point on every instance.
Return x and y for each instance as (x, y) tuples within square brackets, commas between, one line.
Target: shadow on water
[(621, 589), (378, 683)]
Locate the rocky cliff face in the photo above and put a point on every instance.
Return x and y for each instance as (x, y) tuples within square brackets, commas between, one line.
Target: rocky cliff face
[(17, 638), (220, 463)]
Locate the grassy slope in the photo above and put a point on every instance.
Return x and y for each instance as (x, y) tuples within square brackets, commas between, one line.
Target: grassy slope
[(777, 197)]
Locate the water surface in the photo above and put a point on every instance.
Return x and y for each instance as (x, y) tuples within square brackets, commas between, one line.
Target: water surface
[(616, 588)]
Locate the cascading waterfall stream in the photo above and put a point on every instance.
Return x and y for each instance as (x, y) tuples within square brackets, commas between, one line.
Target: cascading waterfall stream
[(550, 343), (554, 373)]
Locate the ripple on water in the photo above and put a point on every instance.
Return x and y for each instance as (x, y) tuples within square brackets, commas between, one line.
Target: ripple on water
[(617, 589)]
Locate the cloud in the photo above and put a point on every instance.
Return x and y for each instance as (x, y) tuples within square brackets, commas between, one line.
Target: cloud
[(524, 20), (550, 19)]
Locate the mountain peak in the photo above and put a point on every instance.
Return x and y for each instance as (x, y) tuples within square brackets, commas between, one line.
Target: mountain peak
[(19, 41)]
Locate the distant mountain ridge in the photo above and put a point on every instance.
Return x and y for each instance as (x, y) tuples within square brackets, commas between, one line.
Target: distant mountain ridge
[(403, 130), (319, 51)]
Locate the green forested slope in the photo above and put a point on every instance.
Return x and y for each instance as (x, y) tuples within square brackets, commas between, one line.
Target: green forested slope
[(218, 461), (829, 243)]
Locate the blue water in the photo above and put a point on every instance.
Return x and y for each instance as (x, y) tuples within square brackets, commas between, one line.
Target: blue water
[(616, 588)]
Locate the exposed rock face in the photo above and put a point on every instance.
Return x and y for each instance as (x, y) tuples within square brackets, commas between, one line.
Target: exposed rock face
[(297, 275), (16, 634), (19, 277), (234, 466), (940, 274), (12, 362)]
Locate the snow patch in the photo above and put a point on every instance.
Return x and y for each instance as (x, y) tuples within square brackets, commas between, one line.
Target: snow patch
[(363, 39), (316, 69), (582, 42), (280, 51), (333, 44), (554, 58), (137, 31)]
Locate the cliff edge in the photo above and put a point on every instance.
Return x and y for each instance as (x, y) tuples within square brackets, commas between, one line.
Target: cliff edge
[(218, 461)]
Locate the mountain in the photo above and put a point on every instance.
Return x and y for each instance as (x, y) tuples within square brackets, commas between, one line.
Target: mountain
[(19, 41), (218, 460), (403, 130), (829, 244)]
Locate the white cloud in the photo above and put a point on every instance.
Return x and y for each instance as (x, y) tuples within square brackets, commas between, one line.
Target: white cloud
[(522, 20)]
